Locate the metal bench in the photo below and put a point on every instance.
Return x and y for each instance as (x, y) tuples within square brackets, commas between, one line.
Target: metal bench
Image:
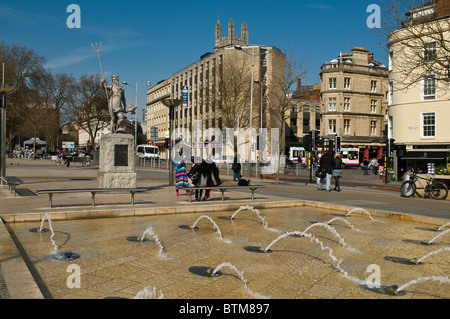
[(93, 192), (12, 182), (223, 189)]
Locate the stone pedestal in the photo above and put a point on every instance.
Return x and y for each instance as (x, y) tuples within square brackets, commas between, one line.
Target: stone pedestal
[(116, 166)]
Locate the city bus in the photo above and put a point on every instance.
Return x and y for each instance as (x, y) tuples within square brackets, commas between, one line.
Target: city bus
[(350, 157), (298, 155)]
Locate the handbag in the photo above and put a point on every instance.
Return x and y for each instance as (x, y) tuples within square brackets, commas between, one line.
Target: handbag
[(320, 173)]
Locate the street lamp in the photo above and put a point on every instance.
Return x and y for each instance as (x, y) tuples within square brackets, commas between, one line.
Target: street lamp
[(171, 104), (136, 115)]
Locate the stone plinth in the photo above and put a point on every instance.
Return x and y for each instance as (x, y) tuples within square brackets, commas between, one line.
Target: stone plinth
[(116, 165)]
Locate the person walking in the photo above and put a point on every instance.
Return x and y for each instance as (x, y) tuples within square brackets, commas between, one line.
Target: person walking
[(337, 171), (236, 167), (326, 164), (181, 179), (366, 166), (374, 166)]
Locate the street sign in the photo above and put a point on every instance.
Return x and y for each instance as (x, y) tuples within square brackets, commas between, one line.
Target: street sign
[(185, 96), (3, 101)]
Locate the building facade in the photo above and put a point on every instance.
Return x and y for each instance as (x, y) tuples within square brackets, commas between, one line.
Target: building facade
[(216, 89), (419, 92), (304, 113), (353, 102)]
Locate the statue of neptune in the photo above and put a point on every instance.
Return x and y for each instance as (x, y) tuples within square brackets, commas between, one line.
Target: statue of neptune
[(117, 104)]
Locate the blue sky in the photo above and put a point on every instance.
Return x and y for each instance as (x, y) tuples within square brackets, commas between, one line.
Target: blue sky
[(150, 40)]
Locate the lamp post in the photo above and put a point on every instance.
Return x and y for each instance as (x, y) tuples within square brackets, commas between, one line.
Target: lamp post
[(4, 91), (136, 115), (171, 104)]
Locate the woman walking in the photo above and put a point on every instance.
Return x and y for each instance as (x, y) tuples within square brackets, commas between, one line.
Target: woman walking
[(181, 179), (337, 172)]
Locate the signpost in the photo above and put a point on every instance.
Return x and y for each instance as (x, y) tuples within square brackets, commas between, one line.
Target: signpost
[(185, 96)]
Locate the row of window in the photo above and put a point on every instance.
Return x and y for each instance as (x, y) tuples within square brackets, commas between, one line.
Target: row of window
[(332, 102), (332, 84), (332, 127)]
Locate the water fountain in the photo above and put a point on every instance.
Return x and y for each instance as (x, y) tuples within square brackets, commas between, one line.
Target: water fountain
[(150, 233), (55, 253), (149, 293), (395, 290), (361, 209), (345, 222), (251, 208), (441, 227), (219, 233), (437, 251), (429, 242), (214, 273), (303, 233)]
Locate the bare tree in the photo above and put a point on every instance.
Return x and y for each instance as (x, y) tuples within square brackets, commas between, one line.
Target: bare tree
[(420, 33), (20, 64), (233, 94), (280, 95), (89, 106)]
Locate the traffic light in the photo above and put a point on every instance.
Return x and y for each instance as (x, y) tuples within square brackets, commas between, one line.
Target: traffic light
[(316, 138), (391, 147), (337, 144), (307, 142)]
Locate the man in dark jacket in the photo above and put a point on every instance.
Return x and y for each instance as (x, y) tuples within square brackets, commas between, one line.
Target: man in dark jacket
[(326, 164)]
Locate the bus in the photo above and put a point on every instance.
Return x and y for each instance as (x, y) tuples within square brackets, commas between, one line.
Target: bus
[(298, 155), (350, 157)]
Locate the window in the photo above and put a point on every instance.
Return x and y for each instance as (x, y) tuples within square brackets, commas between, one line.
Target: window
[(391, 92), (391, 60), (331, 126), (347, 83), (373, 86), (346, 126), (429, 87), (332, 104), (428, 124), (373, 106), (332, 83), (429, 52), (347, 104), (373, 127)]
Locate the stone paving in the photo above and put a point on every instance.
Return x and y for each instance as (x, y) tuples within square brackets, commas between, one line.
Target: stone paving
[(113, 264)]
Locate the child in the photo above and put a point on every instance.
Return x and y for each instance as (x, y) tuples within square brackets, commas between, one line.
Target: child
[(181, 179)]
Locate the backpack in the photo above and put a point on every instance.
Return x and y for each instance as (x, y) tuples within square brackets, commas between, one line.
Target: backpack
[(243, 182)]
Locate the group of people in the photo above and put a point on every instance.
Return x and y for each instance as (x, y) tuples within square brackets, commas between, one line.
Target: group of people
[(330, 166), (373, 164), (200, 175)]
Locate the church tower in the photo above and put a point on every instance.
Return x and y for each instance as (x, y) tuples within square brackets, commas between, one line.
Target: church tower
[(231, 39)]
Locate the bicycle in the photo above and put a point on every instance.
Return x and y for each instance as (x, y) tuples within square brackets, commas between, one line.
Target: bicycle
[(432, 189)]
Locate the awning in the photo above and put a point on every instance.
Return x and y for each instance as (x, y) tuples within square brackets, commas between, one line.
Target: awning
[(424, 155)]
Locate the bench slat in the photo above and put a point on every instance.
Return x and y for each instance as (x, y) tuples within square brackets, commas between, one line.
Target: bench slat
[(223, 189), (93, 192)]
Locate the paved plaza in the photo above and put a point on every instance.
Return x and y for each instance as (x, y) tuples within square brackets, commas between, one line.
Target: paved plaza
[(260, 253)]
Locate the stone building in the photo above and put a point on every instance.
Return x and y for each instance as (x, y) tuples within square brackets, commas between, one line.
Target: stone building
[(354, 87), (419, 92), (207, 87), (304, 113)]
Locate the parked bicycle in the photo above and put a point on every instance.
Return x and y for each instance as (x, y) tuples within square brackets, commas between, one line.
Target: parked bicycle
[(432, 189)]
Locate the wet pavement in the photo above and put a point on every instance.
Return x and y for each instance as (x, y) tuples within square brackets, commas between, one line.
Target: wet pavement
[(385, 236)]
